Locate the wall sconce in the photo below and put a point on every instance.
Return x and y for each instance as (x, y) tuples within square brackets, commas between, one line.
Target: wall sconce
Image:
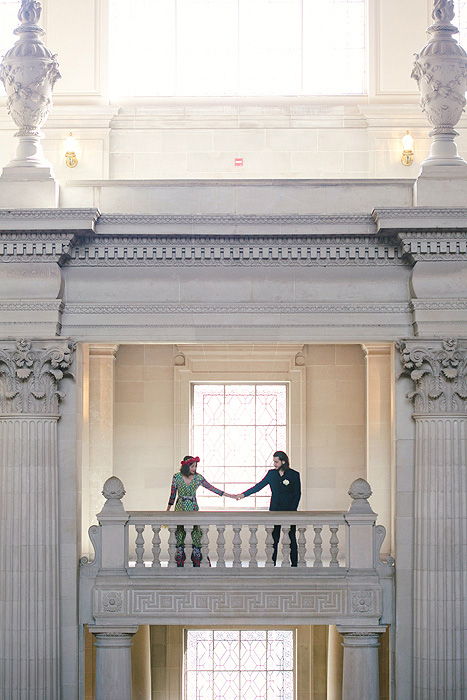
[(407, 153), (70, 151)]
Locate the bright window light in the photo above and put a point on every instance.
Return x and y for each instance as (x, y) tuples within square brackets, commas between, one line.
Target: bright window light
[(236, 428), (8, 22), (236, 47), (239, 665), (460, 21)]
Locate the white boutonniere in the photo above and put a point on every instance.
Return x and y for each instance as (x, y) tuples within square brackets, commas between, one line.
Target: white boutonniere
[(286, 482)]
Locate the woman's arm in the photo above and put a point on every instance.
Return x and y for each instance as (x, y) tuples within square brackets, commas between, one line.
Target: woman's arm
[(173, 493), (209, 487)]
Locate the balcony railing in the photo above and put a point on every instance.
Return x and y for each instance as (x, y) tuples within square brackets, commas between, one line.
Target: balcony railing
[(136, 579)]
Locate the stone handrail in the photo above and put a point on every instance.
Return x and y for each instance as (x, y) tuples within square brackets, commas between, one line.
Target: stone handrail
[(140, 543)]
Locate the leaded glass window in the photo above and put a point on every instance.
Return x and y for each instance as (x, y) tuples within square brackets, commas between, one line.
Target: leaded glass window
[(239, 665), (236, 428), (237, 47)]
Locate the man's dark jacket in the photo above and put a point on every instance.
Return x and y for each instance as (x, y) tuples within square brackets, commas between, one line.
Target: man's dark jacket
[(286, 490)]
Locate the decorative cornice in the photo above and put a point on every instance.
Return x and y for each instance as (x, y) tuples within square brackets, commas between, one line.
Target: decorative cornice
[(209, 309), (36, 247), (30, 374), (112, 220), (438, 245), (439, 370), (435, 304), (49, 220), (231, 250)]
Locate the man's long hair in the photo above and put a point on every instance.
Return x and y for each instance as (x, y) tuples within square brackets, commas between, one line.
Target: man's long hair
[(283, 458)]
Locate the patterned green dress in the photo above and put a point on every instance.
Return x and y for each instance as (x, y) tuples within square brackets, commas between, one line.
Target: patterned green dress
[(186, 500)]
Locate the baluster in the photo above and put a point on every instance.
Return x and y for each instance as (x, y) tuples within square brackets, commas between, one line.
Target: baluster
[(269, 546), (139, 546), (156, 546), (237, 547), (334, 548), (188, 544), (204, 545), (301, 546), (318, 549), (285, 545), (172, 546), (253, 546), (220, 547)]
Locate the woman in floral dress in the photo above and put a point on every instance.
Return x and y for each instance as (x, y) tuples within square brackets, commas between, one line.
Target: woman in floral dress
[(184, 486)]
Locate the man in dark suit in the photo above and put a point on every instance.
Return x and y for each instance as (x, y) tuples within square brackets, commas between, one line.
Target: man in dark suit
[(285, 495)]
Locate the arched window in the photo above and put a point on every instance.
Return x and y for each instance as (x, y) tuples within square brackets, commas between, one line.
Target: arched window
[(237, 47)]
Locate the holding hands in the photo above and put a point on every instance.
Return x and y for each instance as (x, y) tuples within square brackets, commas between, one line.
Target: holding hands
[(238, 496)]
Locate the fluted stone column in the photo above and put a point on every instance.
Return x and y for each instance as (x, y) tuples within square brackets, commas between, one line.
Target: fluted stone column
[(439, 371), (360, 678), (30, 375), (113, 663)]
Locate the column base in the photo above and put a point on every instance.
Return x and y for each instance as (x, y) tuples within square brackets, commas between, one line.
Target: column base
[(441, 185)]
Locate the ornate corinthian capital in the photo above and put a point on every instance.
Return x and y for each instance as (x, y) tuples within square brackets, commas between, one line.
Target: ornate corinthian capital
[(439, 371), (30, 374)]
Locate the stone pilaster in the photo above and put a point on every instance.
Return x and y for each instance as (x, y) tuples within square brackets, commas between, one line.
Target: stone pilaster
[(101, 421), (379, 433), (30, 375), (438, 369)]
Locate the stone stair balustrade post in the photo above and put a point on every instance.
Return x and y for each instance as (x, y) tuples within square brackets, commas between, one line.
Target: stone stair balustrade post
[(360, 521), (112, 519), (30, 377)]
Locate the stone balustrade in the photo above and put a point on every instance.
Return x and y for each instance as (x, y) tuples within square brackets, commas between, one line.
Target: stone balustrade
[(134, 579)]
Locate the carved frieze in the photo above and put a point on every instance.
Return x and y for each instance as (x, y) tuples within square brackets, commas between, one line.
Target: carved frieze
[(30, 375), (438, 369), (149, 602)]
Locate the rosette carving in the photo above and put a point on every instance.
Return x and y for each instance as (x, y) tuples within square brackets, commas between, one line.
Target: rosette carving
[(30, 376), (439, 371)]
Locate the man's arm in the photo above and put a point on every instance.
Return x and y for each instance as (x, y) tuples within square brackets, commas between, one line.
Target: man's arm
[(257, 487)]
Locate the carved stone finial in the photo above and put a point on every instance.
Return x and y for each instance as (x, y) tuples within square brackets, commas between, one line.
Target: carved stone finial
[(440, 70), (360, 489), (29, 72), (443, 11), (113, 489), (439, 370), (30, 374)]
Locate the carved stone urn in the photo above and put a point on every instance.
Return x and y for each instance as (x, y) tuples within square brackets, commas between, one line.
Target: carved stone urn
[(29, 72), (440, 70)]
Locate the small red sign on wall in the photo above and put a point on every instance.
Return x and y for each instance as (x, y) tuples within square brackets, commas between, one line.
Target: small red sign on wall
[(238, 162)]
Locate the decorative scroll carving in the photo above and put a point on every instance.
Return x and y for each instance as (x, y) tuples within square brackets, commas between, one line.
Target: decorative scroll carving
[(439, 370), (30, 375)]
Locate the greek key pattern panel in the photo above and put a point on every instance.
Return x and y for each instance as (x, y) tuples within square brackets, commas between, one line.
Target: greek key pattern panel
[(191, 602)]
